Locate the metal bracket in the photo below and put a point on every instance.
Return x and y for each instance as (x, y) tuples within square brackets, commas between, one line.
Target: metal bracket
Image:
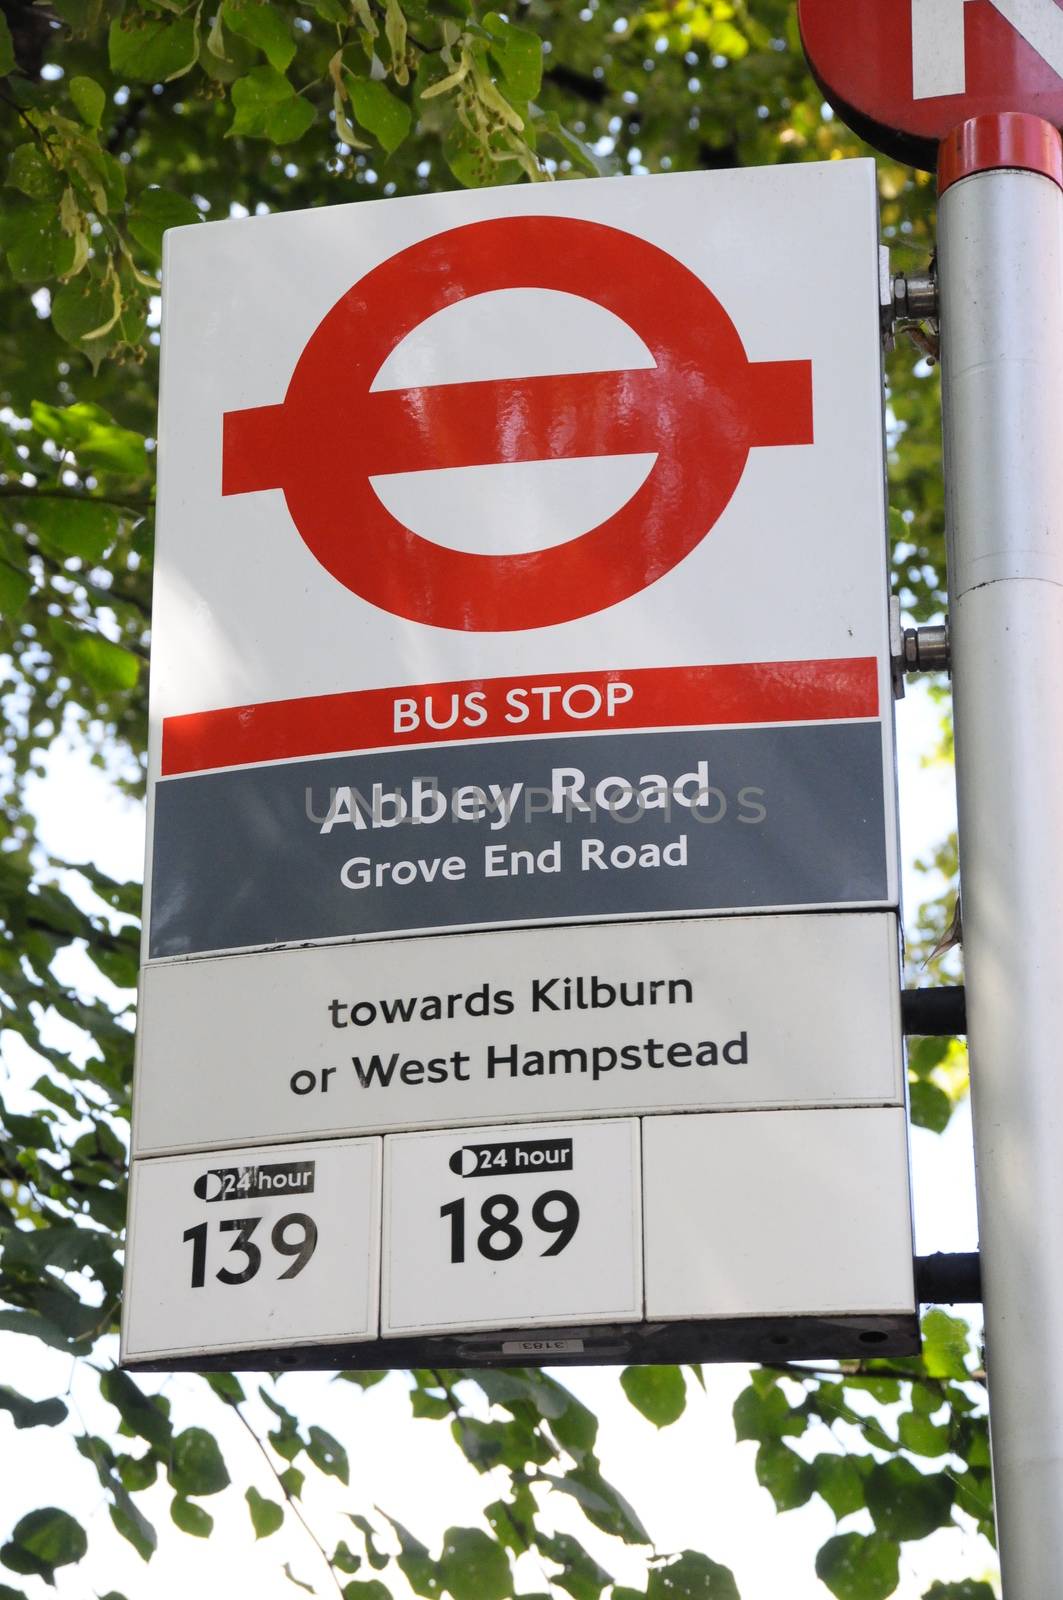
[(917, 649), (905, 297)]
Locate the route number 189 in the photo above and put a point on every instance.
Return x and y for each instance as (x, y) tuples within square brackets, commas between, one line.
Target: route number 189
[(555, 1212)]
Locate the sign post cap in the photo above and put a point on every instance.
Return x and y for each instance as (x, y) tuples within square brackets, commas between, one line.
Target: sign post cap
[(1006, 139)]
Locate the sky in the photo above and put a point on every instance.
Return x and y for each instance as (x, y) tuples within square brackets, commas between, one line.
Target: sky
[(691, 1484)]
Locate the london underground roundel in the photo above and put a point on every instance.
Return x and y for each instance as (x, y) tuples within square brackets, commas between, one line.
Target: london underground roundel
[(700, 409), (904, 73)]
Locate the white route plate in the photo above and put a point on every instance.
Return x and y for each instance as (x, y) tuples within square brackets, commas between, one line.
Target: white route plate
[(778, 1214), (510, 1227), (251, 1248)]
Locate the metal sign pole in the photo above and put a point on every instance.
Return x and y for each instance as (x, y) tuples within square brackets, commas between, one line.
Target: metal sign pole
[(1001, 273)]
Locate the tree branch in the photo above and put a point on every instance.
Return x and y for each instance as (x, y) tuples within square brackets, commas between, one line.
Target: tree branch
[(24, 491), (289, 1497)]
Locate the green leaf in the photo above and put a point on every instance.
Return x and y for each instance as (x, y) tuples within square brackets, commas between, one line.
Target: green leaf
[(366, 1589), (474, 1566), (581, 1576), (603, 1505), (887, 1391), (766, 1416), (422, 1575), (31, 1413), (267, 107), (921, 1436), (927, 1398), (855, 1566), (156, 210), (550, 1399), (138, 1472), (513, 1521), (364, 1380), (380, 112), (377, 1559), (30, 171), (90, 100), (926, 1054), (37, 1326), (576, 1428), (946, 1341), (473, 163), (432, 1406), (104, 665), (518, 54), (152, 49), (906, 1503), (43, 1541), (15, 589), (7, 48), (788, 1479), (415, 1564), (92, 315), (328, 1455), (974, 1494), (69, 527), (692, 1577), (290, 1575), (196, 1465), (969, 1589), (286, 1443), (38, 248), (291, 1481), (344, 1559), (840, 1482), (660, 1393), (191, 1518), (263, 26), (577, 149), (226, 1385), (931, 1106), (266, 1515), (142, 1413), (396, 32), (93, 436)]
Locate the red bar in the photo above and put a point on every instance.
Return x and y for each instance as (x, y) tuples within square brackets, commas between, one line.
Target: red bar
[(659, 697), (253, 449)]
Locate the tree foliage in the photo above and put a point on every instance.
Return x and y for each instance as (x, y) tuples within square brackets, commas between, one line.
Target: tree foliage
[(119, 119)]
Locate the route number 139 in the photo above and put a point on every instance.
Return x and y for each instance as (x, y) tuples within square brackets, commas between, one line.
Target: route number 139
[(294, 1235)]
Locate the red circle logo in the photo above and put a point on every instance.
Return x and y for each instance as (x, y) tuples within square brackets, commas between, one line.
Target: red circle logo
[(700, 409)]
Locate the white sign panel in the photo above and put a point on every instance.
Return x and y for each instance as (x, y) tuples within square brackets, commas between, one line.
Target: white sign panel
[(503, 1227), (705, 1015), (246, 1249), (782, 1214)]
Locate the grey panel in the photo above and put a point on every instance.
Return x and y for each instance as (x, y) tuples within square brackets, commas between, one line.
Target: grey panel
[(794, 816)]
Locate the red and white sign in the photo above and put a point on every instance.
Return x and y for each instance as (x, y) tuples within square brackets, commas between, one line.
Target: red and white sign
[(521, 565), (904, 73), (520, 438), (700, 408)]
